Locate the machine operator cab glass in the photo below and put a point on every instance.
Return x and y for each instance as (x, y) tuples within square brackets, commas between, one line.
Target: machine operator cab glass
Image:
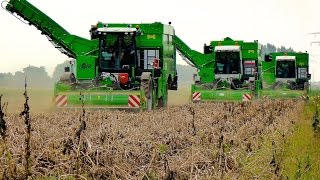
[(117, 47), (285, 68), (228, 62)]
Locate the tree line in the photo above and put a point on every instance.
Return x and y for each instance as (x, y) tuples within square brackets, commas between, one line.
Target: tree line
[(38, 77), (270, 48)]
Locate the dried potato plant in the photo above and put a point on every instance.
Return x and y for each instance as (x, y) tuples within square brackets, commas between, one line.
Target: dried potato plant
[(196, 141)]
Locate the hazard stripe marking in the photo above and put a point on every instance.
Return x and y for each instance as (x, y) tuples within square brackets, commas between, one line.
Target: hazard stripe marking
[(196, 96), (134, 101), (61, 100), (131, 104), (64, 103), (246, 97)]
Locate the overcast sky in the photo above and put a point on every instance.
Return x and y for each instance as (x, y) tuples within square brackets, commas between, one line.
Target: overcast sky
[(280, 22)]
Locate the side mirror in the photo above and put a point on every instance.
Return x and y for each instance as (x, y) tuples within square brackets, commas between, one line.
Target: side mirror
[(309, 76), (267, 58)]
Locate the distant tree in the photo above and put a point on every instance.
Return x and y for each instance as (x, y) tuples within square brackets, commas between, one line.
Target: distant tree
[(270, 48), (17, 80), (264, 50), (5, 79), (290, 50), (281, 49), (59, 70), (37, 76), (267, 49)]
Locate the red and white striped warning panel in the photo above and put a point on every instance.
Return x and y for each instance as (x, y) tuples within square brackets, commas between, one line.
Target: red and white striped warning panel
[(61, 101), (246, 97), (196, 96), (134, 101)]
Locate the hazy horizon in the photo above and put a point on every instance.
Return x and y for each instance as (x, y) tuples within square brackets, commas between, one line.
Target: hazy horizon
[(279, 22)]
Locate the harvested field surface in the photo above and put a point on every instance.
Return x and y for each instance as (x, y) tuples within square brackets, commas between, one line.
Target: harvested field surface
[(198, 141)]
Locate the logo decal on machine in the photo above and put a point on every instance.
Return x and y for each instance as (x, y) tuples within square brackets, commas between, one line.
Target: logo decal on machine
[(85, 66), (196, 97), (134, 101), (151, 36)]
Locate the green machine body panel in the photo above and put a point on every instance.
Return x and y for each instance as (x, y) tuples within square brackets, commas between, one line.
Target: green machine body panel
[(121, 65), (284, 94), (86, 67), (286, 75)]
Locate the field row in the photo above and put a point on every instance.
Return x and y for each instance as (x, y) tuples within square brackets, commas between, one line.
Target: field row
[(220, 140)]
